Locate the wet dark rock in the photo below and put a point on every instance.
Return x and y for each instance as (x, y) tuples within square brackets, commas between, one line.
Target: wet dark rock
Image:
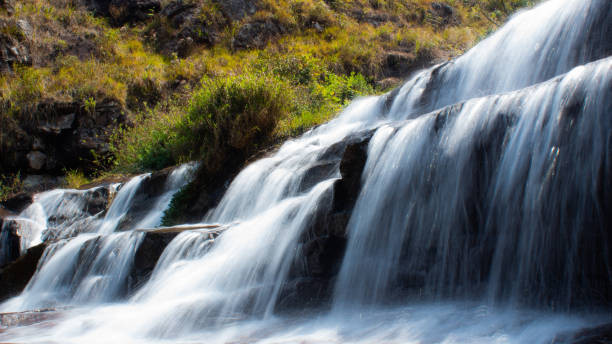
[(131, 11), (15, 276), (151, 248), (17, 203), (151, 188), (146, 257), (9, 241), (237, 9), (98, 200), (322, 244), (320, 171), (304, 293), (33, 183), (595, 335), (351, 167), (256, 34)]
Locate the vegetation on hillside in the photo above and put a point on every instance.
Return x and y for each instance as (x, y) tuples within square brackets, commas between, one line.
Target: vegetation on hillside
[(211, 83)]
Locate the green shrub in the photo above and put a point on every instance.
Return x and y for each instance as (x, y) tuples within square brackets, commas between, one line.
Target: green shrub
[(232, 114)]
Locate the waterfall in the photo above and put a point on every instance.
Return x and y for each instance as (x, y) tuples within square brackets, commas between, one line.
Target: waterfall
[(87, 261), (484, 208), (440, 206)]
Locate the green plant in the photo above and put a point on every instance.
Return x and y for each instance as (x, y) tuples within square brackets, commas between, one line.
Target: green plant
[(232, 114), (9, 185), (90, 105), (75, 179)]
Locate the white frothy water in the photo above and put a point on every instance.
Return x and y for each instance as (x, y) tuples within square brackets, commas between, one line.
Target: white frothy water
[(438, 183), (86, 261), (424, 184)]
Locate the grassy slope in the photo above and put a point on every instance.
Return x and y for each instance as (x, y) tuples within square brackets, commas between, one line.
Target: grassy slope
[(329, 52)]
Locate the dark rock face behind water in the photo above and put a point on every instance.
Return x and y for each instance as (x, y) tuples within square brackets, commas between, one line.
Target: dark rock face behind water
[(322, 244), (146, 256), (9, 240), (324, 241), (15, 276)]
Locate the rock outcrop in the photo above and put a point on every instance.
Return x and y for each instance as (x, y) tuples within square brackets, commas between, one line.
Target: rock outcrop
[(65, 136)]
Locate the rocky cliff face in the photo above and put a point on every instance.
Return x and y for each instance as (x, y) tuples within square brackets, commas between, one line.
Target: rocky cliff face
[(60, 137)]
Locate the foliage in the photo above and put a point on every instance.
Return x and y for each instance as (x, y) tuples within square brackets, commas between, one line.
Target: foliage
[(218, 100), (75, 179), (9, 185)]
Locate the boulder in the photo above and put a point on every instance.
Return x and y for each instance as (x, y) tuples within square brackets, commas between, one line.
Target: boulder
[(26, 29), (55, 125), (15, 276)]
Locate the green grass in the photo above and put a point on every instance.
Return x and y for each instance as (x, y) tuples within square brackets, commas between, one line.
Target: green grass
[(218, 101)]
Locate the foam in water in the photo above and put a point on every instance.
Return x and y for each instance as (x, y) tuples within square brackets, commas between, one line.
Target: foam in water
[(424, 186), (87, 262), (445, 184)]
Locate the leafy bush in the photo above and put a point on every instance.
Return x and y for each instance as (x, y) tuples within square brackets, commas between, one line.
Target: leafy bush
[(232, 114)]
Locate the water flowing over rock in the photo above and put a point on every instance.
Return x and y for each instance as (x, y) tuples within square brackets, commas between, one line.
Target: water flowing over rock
[(470, 205)]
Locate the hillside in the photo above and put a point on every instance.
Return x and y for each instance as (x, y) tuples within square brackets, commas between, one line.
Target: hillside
[(92, 87)]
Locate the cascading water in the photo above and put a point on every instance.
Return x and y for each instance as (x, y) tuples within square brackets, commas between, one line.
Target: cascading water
[(504, 197), (440, 208), (86, 261)]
